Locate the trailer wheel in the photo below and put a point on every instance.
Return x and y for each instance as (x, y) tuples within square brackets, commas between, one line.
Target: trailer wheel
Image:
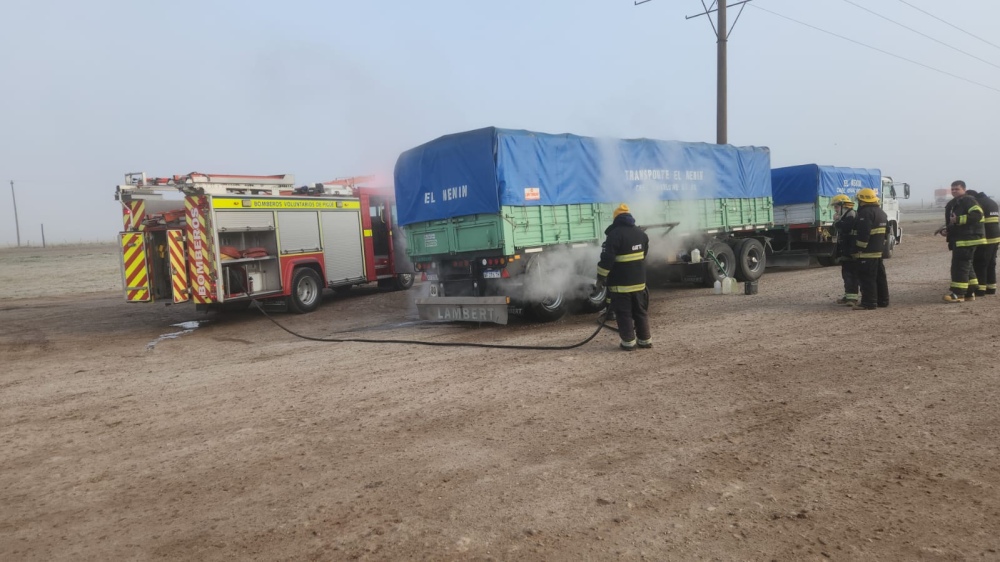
[(595, 301), (727, 259), (547, 302), (890, 242), (551, 308), (399, 282), (403, 281), (750, 259), (307, 291)]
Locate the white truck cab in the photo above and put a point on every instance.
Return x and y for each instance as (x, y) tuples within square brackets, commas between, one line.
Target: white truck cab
[(890, 198)]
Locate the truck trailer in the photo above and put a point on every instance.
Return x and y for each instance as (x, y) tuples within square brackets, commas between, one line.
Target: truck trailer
[(803, 218), (500, 221), (216, 239)]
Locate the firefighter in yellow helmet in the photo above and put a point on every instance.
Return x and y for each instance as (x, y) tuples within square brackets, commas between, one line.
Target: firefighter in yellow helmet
[(869, 240), (622, 270), (845, 216)]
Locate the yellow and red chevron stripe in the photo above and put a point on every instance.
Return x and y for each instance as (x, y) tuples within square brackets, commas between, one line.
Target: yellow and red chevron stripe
[(135, 270), (178, 265), (132, 213)]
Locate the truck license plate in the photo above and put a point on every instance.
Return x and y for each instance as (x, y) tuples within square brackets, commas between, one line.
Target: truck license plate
[(490, 274)]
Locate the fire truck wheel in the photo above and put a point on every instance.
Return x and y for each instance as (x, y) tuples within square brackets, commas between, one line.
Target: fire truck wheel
[(307, 291)]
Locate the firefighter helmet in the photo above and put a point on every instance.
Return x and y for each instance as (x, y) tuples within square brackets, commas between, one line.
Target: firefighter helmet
[(867, 195), (842, 199)]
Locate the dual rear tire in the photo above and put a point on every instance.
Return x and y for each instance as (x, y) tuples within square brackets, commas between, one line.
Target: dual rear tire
[(741, 258)]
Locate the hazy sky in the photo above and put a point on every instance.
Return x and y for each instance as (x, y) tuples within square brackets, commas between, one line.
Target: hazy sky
[(324, 89)]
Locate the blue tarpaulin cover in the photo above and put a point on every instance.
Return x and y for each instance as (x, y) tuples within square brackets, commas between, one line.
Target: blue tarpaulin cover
[(803, 184), (479, 171)]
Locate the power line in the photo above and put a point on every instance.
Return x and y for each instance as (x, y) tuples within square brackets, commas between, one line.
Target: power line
[(938, 41), (945, 72), (950, 24)]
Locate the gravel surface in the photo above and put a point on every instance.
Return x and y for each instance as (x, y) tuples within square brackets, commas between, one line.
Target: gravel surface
[(776, 426)]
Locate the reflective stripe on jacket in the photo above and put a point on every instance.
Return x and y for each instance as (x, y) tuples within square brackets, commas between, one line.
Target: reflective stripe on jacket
[(623, 256), (968, 229), (870, 228), (991, 218)]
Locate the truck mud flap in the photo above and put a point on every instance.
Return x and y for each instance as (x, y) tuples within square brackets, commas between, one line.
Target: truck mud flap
[(464, 309)]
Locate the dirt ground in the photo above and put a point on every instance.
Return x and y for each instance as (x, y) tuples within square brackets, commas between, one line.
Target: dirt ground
[(769, 427)]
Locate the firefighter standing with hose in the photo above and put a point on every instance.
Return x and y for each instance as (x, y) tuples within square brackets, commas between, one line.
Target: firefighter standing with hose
[(964, 231), (870, 228), (846, 215), (622, 270)]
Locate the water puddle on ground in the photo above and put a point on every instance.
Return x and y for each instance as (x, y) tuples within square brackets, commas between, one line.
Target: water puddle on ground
[(186, 328)]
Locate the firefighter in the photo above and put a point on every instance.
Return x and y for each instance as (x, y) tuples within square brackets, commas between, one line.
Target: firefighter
[(984, 262), (869, 240), (622, 270), (845, 215), (964, 231)]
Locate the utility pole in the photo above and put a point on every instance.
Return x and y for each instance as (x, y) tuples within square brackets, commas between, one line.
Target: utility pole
[(721, 28), (17, 225), (721, 83)]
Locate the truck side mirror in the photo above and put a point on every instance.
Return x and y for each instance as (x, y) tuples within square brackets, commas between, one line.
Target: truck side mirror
[(906, 191)]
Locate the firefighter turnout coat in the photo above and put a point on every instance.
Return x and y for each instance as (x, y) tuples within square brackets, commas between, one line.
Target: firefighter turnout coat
[(991, 218), (968, 229), (623, 256), (845, 233), (869, 231)]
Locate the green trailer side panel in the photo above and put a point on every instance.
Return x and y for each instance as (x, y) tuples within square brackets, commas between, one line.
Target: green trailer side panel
[(708, 214), (749, 212), (470, 233), (429, 238), (554, 224), (473, 233), (825, 211), (518, 227)]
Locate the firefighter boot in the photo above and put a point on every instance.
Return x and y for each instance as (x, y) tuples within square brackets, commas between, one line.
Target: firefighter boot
[(954, 297), (627, 345), (849, 300)]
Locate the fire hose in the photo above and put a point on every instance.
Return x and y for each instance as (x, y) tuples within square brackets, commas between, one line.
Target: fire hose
[(600, 321)]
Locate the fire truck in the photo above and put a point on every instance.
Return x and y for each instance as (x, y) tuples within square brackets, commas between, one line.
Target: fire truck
[(215, 239)]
